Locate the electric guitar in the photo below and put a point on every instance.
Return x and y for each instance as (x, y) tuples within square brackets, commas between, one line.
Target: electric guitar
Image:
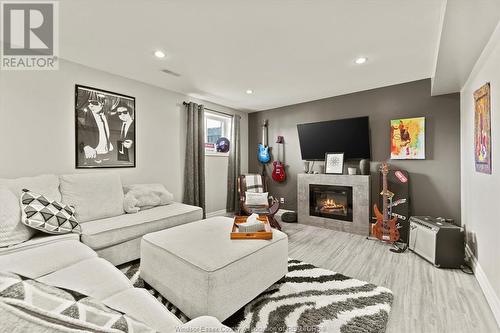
[(385, 228), (263, 154), (279, 168)]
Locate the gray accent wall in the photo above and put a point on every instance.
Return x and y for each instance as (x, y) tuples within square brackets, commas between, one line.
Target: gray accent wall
[(434, 182)]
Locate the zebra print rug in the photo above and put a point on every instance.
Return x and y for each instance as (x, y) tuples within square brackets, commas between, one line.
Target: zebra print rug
[(307, 299)]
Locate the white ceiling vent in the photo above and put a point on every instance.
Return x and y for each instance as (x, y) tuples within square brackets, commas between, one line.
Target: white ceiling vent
[(167, 71)]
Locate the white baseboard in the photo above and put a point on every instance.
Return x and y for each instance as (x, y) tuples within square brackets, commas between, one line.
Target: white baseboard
[(221, 212), (484, 283)]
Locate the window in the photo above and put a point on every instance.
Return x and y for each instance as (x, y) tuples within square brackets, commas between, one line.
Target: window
[(216, 127)]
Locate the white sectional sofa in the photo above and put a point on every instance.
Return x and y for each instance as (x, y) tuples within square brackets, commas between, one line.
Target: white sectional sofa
[(118, 238), (62, 261), (86, 263), (98, 199)]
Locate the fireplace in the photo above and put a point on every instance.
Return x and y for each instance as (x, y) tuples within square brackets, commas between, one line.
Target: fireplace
[(331, 201), (355, 187)]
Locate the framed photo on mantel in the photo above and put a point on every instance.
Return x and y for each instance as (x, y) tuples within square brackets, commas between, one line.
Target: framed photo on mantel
[(334, 163), (104, 129)]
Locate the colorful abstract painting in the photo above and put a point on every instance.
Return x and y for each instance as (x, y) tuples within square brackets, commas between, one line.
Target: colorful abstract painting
[(408, 139), (482, 129)]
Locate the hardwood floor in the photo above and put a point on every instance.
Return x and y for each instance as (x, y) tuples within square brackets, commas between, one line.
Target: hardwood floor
[(426, 299)]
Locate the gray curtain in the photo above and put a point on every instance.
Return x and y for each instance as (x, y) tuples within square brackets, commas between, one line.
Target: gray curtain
[(194, 170), (234, 168)]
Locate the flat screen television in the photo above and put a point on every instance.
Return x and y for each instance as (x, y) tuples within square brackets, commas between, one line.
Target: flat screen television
[(350, 136)]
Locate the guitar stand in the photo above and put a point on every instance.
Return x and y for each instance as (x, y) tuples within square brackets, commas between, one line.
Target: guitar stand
[(398, 249), (395, 247)]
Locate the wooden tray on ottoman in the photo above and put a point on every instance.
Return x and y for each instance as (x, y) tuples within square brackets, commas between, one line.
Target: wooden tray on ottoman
[(266, 234)]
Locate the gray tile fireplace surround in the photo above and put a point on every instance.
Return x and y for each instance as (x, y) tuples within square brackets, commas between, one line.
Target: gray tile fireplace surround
[(360, 202)]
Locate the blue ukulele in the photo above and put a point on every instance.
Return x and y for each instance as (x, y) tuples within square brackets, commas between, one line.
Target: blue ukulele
[(264, 156)]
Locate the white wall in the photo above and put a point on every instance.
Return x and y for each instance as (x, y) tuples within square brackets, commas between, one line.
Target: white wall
[(481, 192), (37, 128), (216, 183)]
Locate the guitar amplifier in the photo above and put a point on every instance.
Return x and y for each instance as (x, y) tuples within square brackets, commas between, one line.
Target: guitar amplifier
[(437, 241)]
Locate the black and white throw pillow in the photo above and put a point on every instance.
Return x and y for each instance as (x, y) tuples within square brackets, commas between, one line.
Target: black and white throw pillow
[(49, 216), (39, 304)]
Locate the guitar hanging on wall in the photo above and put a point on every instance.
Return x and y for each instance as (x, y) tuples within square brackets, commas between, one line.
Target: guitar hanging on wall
[(263, 155), (386, 228), (279, 168)]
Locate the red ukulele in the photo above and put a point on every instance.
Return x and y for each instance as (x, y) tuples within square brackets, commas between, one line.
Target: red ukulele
[(279, 168), (386, 228)]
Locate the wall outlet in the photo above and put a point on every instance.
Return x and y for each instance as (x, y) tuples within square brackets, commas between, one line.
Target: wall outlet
[(282, 200)]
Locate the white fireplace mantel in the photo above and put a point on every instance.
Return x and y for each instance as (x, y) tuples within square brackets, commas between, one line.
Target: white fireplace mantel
[(360, 202)]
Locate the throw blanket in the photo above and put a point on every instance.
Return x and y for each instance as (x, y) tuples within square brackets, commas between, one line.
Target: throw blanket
[(254, 183), (144, 196)]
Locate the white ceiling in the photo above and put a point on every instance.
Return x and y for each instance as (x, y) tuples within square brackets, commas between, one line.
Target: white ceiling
[(287, 51), (467, 27)]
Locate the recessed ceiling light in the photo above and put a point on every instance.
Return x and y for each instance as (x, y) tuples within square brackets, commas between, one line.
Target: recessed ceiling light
[(159, 54), (360, 60), (249, 91)]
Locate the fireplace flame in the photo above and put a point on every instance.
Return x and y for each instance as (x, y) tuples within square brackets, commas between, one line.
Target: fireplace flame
[(331, 204)]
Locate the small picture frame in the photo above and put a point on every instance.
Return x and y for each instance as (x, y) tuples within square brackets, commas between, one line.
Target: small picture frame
[(334, 163)]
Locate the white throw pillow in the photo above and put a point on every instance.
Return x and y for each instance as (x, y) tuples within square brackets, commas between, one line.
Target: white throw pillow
[(153, 187), (94, 195), (12, 231), (256, 199), (144, 196)]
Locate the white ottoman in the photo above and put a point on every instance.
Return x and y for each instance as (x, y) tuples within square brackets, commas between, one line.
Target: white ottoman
[(198, 268)]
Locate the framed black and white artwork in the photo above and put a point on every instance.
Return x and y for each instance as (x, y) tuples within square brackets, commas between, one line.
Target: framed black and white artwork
[(334, 163), (104, 129)]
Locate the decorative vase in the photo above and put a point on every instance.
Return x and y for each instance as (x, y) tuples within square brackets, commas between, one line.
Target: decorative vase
[(364, 166), (306, 166)]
